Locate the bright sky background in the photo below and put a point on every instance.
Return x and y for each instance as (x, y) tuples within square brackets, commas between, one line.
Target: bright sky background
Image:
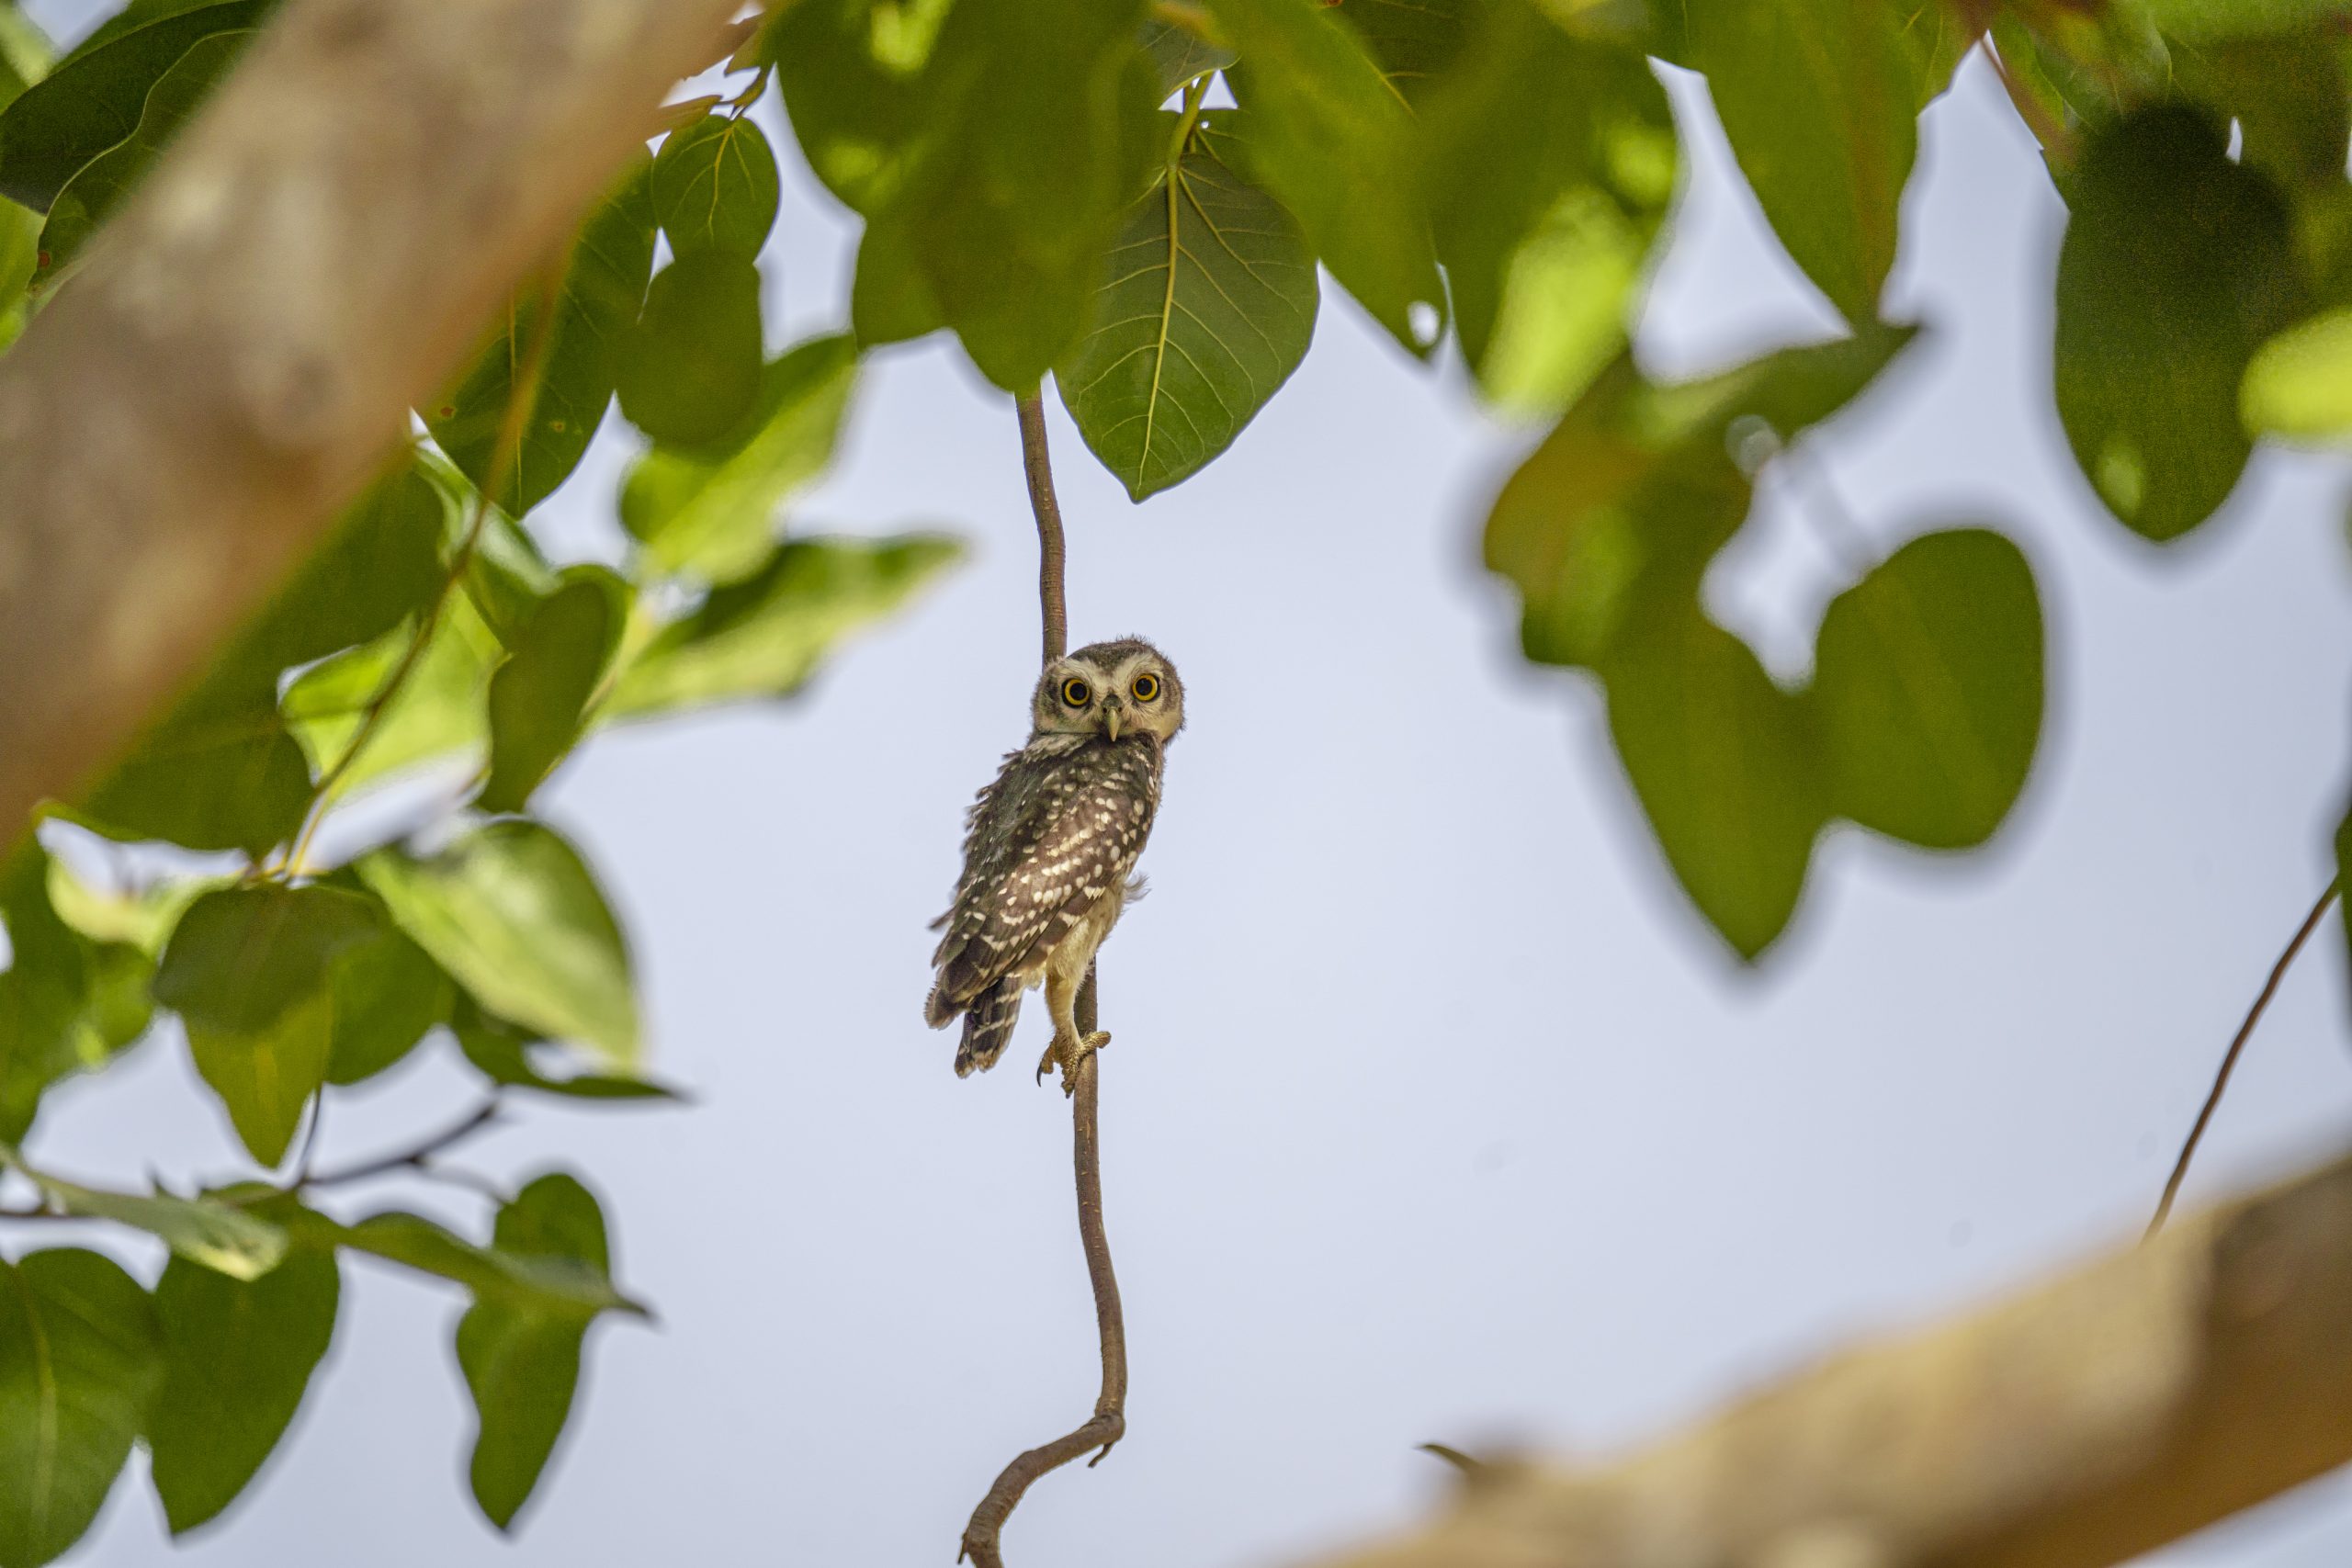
[(1432, 1112)]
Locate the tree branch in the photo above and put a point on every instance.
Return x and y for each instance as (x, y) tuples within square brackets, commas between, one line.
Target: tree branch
[(2075, 1425), (983, 1535), (319, 251), (2229, 1058), (414, 1158)]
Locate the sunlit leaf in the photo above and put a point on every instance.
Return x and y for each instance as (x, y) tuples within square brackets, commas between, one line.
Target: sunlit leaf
[(1724, 768), (715, 186), (715, 517), (1927, 689), (80, 1359), (92, 100), (1207, 306), (513, 915), (689, 370), (207, 1234), (596, 303), (530, 1281), (765, 636), (439, 712), (238, 1358), (2178, 264), (851, 73), (539, 697), (1549, 163), (521, 1360), (1320, 129), (1816, 96)]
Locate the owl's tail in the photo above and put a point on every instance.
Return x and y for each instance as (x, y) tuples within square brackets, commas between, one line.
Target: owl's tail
[(988, 1027)]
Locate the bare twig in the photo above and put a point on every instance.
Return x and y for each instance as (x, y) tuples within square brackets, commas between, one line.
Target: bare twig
[(1109, 1423), (419, 1157), (2229, 1058)]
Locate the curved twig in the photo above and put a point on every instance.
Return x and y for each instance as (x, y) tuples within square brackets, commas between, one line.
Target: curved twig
[(1109, 1423), (2229, 1058), (417, 1157)]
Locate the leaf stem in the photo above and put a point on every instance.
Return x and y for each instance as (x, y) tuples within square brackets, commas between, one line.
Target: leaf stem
[(1194, 91), (983, 1535), (2237, 1045)]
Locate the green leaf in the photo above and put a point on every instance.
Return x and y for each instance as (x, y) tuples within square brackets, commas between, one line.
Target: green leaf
[(522, 1364), (715, 187), (238, 1358), (93, 101), (1207, 306), (2178, 264), (1724, 767), (538, 699), (1549, 163), (80, 1358), (249, 972), (2298, 385), (1034, 134), (1412, 41), (689, 368), (2199, 21), (440, 712), (1926, 689), (1320, 129), (2288, 96), (211, 1235), (529, 1282), (714, 518), (388, 995), (514, 916), (852, 72), (1817, 97), (1614, 518), (93, 193), (67, 1004), (596, 304), (1177, 54), (504, 1054), (763, 636), (25, 55), (141, 918)]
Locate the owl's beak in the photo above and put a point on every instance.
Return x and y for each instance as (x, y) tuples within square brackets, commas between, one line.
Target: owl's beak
[(1111, 718)]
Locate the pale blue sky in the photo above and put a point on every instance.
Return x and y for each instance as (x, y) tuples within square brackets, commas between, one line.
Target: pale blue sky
[(1432, 1113)]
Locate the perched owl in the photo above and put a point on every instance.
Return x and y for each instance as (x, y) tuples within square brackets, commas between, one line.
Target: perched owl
[(1049, 847)]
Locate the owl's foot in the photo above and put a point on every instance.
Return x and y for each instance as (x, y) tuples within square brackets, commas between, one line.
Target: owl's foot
[(1065, 1053)]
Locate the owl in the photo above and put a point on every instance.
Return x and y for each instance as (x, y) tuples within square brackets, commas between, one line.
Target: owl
[(1050, 849)]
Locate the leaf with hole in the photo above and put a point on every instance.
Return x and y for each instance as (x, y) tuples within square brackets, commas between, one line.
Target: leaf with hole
[(1207, 306), (80, 1359), (1927, 689)]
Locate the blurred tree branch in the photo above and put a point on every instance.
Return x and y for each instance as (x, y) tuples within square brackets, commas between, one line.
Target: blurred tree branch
[(2079, 1423), (231, 366)]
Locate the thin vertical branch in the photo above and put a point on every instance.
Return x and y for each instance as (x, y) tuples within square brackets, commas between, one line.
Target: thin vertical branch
[(2237, 1047), (982, 1536)]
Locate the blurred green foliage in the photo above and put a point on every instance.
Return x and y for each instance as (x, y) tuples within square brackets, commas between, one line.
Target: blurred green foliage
[(1048, 181)]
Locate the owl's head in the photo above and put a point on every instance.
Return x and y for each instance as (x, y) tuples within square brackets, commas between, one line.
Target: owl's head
[(1112, 688)]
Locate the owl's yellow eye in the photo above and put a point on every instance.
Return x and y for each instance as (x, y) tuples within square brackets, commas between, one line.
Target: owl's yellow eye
[(1076, 692), (1147, 687)]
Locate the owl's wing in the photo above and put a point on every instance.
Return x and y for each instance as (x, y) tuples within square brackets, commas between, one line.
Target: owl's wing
[(1049, 839)]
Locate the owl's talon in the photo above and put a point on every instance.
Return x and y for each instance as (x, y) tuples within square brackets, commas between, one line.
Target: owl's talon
[(1066, 1053)]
